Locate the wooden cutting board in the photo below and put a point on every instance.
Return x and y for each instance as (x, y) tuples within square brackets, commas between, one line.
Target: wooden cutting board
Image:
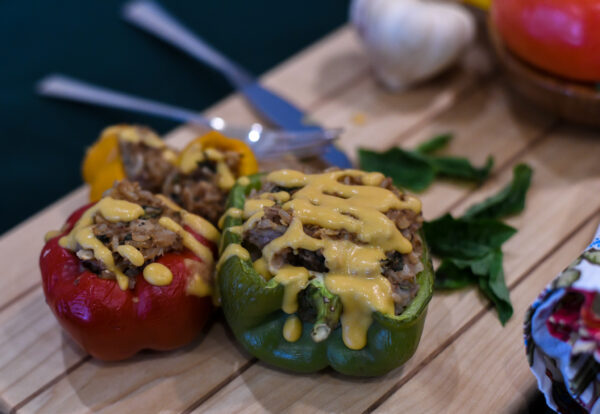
[(466, 362)]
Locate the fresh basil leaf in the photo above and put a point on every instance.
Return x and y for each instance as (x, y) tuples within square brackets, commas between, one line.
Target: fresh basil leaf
[(494, 287), (434, 144), (497, 282), (486, 272), (470, 246), (503, 307), (408, 170), (449, 276), (456, 167), (479, 266), (465, 239), (471, 253), (416, 170), (510, 200)]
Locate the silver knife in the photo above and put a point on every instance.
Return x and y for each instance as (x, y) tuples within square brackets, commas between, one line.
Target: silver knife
[(151, 17)]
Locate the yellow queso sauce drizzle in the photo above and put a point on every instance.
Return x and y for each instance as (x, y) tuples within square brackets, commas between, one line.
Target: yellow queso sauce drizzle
[(137, 135), (292, 328), (197, 284), (354, 269), (231, 212), (82, 234), (194, 154), (132, 254), (158, 274), (261, 267), (51, 234), (124, 211), (189, 240), (200, 225), (134, 135), (233, 249), (253, 211)]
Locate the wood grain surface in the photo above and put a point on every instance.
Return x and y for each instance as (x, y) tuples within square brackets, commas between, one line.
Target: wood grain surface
[(466, 362)]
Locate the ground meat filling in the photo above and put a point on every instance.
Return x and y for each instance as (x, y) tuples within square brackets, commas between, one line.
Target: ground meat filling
[(400, 269), (302, 258), (199, 191), (145, 164), (144, 233), (272, 225), (269, 187)]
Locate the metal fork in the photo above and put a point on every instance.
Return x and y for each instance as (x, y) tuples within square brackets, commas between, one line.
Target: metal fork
[(265, 143)]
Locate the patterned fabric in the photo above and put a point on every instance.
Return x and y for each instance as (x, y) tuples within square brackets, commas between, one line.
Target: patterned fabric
[(562, 336)]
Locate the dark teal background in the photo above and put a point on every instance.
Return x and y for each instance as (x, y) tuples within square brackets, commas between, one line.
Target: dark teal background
[(43, 140)]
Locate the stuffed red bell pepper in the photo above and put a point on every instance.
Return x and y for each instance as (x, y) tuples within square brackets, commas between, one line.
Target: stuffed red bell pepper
[(130, 272)]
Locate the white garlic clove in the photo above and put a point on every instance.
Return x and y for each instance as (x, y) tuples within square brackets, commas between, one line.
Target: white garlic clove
[(411, 40)]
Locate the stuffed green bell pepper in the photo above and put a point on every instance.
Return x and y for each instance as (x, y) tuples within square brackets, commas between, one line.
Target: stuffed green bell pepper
[(326, 269)]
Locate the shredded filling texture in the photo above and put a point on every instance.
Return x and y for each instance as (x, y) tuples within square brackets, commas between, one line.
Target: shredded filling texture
[(197, 191), (400, 269), (144, 234), (145, 164)]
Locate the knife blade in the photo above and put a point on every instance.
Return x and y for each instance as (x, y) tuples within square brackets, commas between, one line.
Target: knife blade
[(152, 18)]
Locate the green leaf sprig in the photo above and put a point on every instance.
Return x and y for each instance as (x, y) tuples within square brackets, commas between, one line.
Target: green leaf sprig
[(471, 246), (416, 169)]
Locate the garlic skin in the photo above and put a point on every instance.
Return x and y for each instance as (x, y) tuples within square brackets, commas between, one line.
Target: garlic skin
[(411, 40)]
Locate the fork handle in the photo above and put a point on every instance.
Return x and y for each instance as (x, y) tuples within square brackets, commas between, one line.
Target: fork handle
[(60, 86), (152, 18)]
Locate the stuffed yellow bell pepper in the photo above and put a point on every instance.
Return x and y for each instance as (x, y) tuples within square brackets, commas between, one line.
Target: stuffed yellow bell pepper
[(198, 178)]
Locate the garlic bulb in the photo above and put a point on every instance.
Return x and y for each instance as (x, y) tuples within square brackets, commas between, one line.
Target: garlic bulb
[(411, 40)]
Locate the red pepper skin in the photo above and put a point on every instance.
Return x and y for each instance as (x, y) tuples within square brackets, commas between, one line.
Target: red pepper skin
[(112, 324)]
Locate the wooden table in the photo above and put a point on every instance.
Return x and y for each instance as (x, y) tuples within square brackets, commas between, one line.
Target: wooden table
[(467, 362)]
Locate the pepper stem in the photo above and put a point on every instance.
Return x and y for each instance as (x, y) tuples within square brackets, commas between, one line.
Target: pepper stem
[(328, 309)]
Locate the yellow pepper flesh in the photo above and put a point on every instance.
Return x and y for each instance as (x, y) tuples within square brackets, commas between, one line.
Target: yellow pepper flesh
[(102, 165), (248, 164), (103, 152), (481, 4)]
